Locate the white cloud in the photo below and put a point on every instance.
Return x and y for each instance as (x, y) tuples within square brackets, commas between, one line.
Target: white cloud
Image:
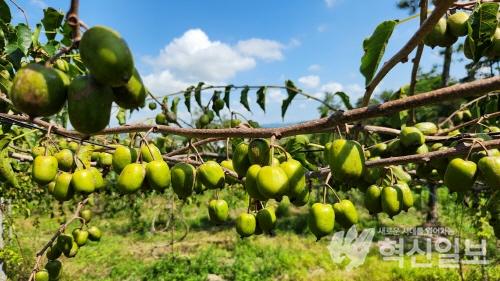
[(276, 95), (310, 81), (314, 67), (163, 82), (194, 57), (354, 91), (261, 48), (332, 87)]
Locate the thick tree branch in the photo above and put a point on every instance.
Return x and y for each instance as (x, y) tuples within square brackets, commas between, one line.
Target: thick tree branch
[(426, 27), (474, 88), (461, 149), (471, 122)]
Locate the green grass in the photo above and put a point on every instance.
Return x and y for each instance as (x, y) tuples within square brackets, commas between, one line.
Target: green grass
[(129, 251)]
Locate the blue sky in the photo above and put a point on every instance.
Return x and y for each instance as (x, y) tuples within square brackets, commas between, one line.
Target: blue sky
[(316, 43)]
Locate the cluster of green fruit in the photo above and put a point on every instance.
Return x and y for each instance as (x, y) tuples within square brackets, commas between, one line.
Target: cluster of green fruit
[(38, 90), (68, 244), (63, 175), (446, 32)]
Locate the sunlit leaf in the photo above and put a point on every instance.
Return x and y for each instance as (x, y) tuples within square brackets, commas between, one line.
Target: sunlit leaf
[(292, 92), (261, 97), (197, 94), (244, 97), (374, 48)]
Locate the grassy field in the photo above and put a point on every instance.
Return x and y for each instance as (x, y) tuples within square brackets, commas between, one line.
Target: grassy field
[(130, 251)]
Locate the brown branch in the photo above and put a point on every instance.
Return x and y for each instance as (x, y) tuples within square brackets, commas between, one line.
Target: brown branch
[(73, 19), (462, 107), (384, 131), (461, 149), (471, 122), (474, 88), (198, 143), (197, 163), (426, 27), (60, 230)]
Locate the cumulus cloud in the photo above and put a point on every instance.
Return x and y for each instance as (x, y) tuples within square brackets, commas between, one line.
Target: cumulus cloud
[(276, 95), (310, 81), (194, 57), (163, 82), (354, 91), (260, 48), (332, 87)]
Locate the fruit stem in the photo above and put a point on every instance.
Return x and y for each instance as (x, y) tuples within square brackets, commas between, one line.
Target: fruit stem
[(143, 139), (271, 146), (324, 194), (334, 192), (227, 148), (316, 145), (340, 133), (198, 156), (281, 149), (410, 18), (474, 141)]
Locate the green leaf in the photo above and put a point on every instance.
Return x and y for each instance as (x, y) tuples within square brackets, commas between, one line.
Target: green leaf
[(23, 37), (5, 15), (261, 97), (374, 48), (187, 97), (215, 99), (227, 93), (482, 25), (52, 20), (5, 84), (475, 110), (5, 166), (244, 97), (2, 40), (66, 32), (175, 102), (36, 35), (14, 55), (345, 99), (51, 47), (197, 94), (292, 92)]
